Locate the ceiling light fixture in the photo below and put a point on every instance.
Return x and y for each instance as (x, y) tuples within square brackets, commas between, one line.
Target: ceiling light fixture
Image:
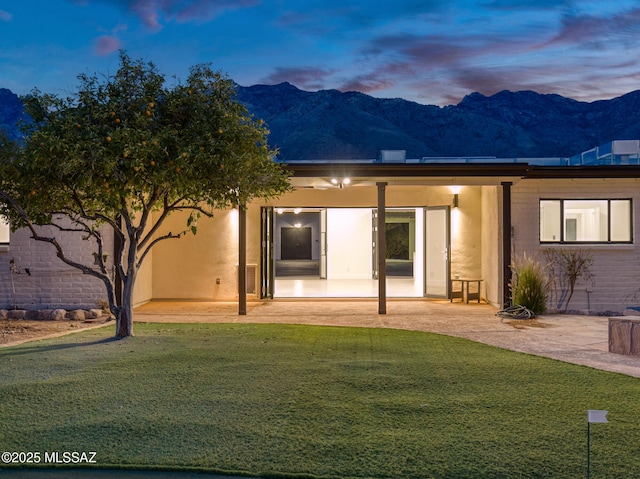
[(341, 182)]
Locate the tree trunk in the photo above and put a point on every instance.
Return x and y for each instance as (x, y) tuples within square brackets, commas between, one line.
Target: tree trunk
[(124, 318), (124, 323)]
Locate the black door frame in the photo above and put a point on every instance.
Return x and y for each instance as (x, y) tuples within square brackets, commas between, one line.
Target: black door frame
[(267, 263)]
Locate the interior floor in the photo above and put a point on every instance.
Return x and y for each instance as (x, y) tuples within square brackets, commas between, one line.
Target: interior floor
[(297, 267)]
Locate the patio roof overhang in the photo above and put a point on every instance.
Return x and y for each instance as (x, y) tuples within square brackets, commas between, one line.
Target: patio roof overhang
[(583, 172), (319, 175)]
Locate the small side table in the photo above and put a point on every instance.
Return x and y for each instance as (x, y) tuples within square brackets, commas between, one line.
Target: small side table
[(464, 292)]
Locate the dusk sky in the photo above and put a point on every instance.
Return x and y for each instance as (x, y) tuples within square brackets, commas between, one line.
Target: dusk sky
[(429, 51)]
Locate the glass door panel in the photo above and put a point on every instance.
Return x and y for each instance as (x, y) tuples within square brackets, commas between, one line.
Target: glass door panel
[(437, 247)]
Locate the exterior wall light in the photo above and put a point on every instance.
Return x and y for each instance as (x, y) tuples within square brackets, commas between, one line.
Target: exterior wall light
[(455, 200)]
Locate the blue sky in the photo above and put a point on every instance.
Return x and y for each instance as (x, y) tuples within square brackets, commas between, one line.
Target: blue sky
[(429, 51)]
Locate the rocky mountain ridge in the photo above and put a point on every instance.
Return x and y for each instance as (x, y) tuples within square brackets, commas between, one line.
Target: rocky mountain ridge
[(329, 124), (10, 112)]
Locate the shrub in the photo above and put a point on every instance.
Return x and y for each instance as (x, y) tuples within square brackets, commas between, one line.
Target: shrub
[(529, 284), (566, 269)]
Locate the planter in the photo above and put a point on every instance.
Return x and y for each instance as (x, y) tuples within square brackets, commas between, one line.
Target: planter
[(624, 335)]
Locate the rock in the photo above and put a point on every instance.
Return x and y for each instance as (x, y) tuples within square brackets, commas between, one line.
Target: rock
[(57, 315), (32, 314), (94, 314), (43, 314), (18, 314), (77, 314), (4, 314)]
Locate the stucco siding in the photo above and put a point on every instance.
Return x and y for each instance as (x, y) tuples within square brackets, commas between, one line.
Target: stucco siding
[(204, 266), (491, 249), (466, 234), (143, 289), (187, 268)]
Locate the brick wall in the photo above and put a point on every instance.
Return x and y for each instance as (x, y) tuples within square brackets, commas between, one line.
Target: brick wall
[(51, 283), (616, 267)]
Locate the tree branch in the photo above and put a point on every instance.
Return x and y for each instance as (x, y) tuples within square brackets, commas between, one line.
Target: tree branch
[(156, 241), (83, 212), (146, 211), (52, 240), (167, 209)]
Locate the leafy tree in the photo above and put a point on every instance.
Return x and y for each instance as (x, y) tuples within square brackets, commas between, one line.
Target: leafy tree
[(122, 154)]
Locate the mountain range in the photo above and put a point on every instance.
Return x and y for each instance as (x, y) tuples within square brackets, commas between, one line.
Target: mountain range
[(10, 112), (329, 124)]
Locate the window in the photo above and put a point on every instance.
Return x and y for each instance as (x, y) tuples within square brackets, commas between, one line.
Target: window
[(585, 221), (4, 231)]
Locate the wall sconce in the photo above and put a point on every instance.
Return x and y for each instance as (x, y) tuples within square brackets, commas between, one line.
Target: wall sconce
[(455, 200)]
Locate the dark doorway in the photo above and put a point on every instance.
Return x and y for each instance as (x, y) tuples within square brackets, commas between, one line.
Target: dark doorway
[(295, 244)]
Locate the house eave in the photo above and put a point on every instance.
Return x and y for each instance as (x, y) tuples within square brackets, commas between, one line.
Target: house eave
[(319, 175), (583, 172)]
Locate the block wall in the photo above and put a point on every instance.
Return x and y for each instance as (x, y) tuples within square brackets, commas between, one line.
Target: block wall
[(616, 267), (49, 283)]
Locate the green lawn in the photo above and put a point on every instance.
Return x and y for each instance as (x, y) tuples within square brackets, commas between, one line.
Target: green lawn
[(305, 401)]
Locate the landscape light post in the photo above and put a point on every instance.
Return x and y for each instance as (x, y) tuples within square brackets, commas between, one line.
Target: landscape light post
[(593, 416)]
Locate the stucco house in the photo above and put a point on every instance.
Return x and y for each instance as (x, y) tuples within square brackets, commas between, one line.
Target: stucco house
[(445, 219)]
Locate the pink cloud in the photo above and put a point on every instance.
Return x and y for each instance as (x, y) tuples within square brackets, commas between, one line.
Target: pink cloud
[(587, 29), (309, 78), (105, 45), (385, 76), (202, 10), (145, 10), (154, 13), (431, 48), (366, 84)]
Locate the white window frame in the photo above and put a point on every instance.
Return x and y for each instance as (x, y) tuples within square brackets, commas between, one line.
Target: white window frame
[(561, 227), (5, 234)]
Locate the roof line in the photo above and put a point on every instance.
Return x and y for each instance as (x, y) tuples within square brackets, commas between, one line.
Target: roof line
[(518, 170)]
